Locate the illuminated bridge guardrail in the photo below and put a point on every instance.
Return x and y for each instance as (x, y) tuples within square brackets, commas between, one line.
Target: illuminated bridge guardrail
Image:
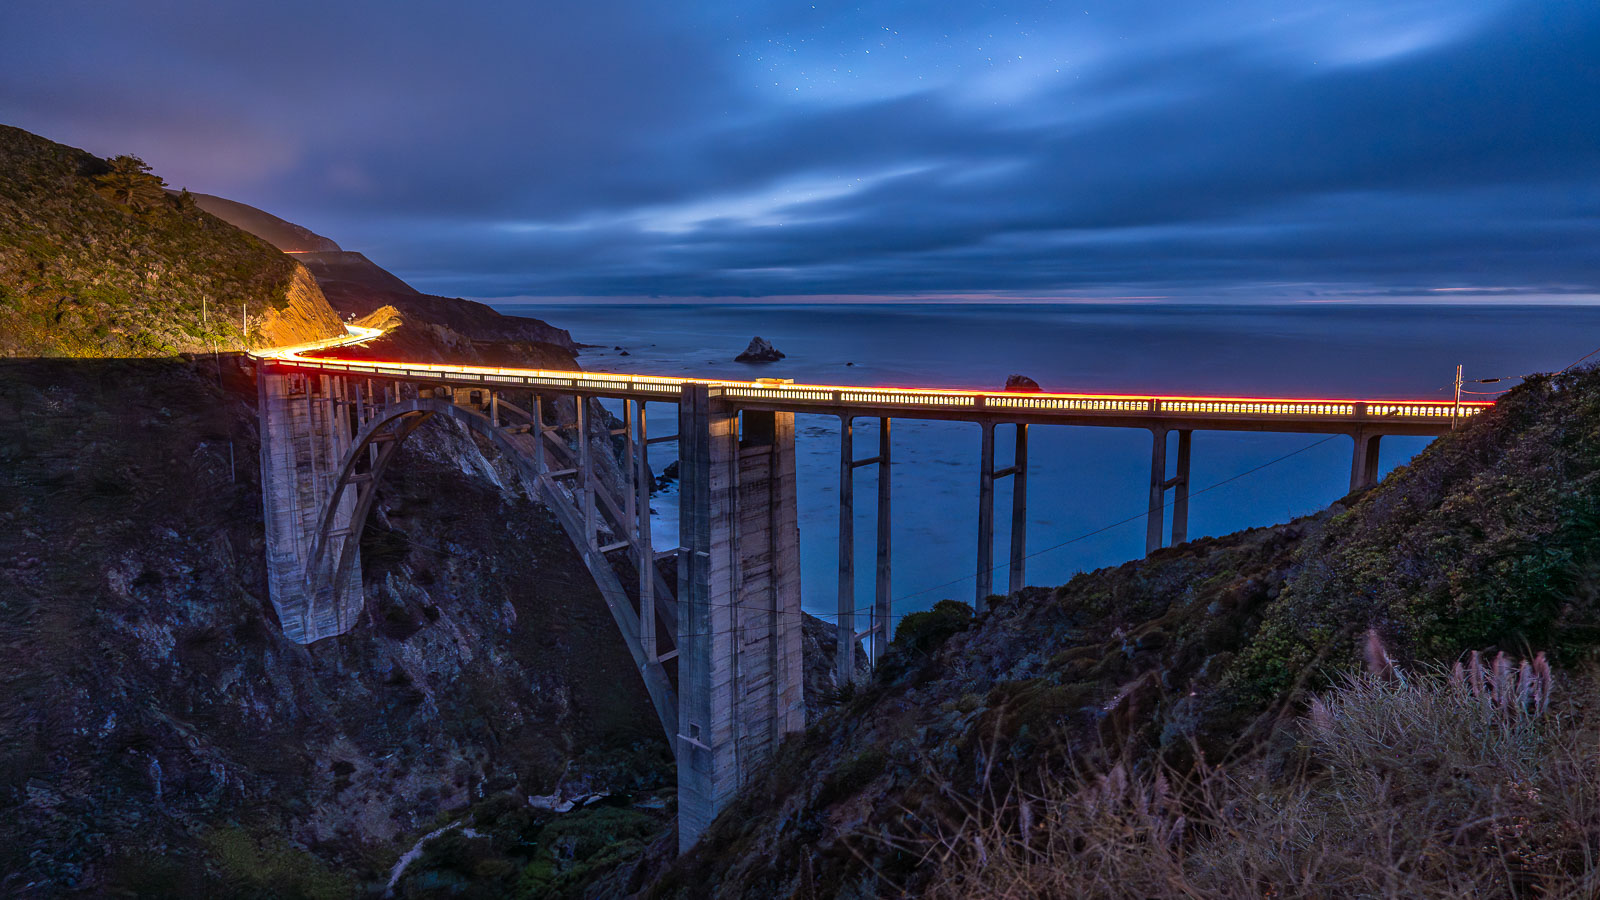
[(908, 400)]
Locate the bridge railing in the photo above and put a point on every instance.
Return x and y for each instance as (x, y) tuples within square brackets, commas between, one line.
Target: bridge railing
[(909, 399)]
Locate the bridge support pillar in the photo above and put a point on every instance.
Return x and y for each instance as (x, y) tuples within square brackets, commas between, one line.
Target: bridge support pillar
[(1155, 522), (1364, 461), (883, 602), (1155, 519), (845, 623), (305, 431), (646, 551), (985, 571), (740, 673), (1180, 489), (1019, 512)]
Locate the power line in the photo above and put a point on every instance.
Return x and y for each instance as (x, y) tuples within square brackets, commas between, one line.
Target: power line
[(1580, 359)]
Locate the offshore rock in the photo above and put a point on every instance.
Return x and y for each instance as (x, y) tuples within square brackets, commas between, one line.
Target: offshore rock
[(760, 350), (1022, 384)]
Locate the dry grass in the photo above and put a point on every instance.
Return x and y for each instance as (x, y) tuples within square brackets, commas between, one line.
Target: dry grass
[(1474, 782)]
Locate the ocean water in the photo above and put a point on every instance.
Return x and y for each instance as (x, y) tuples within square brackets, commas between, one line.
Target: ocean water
[(1083, 482)]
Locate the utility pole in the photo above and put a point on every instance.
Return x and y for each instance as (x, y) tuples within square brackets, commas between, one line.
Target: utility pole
[(1455, 411)]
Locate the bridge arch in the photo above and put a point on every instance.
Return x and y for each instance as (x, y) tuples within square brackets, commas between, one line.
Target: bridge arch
[(372, 448)]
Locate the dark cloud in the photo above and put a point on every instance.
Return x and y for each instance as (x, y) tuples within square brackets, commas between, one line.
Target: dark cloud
[(633, 148)]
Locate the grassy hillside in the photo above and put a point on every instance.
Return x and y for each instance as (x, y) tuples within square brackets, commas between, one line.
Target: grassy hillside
[(1207, 652), (84, 272)]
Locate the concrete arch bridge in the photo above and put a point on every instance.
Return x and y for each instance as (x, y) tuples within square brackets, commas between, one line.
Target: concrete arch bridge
[(721, 654)]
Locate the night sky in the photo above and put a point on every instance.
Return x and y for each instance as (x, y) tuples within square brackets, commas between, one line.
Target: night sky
[(1283, 148)]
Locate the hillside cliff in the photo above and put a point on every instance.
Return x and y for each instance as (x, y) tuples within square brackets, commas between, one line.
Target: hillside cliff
[(82, 274)]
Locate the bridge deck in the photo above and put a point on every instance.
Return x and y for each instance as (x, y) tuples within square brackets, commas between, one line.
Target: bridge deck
[(1416, 417)]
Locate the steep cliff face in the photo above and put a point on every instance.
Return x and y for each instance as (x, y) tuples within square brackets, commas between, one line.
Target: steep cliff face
[(84, 274), (305, 315)]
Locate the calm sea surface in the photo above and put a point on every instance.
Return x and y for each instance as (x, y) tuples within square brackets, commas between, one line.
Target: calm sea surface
[(1081, 480)]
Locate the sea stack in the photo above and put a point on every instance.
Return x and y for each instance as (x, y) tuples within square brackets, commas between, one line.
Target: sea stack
[(1022, 384), (759, 351)]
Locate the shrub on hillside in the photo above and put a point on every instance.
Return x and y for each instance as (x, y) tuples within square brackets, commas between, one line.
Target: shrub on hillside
[(921, 634), (1417, 785)]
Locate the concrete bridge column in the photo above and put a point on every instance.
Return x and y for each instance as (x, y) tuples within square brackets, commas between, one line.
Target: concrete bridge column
[(740, 675), (883, 603), (1019, 511), (1155, 519), (985, 571), (585, 468), (1155, 523), (304, 433), (1180, 489), (845, 654), (647, 553), (1364, 460)]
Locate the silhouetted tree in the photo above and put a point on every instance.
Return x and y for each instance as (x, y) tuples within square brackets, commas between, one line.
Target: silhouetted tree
[(130, 183)]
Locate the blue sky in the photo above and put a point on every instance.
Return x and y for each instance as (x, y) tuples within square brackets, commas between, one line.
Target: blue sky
[(1012, 149)]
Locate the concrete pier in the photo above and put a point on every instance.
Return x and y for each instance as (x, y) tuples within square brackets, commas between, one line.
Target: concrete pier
[(1155, 522), (305, 433), (1180, 489), (845, 621), (740, 674), (1019, 512), (882, 626), (985, 564), (1364, 460)]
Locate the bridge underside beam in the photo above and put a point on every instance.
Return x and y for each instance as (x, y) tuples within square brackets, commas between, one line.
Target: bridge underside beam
[(741, 678)]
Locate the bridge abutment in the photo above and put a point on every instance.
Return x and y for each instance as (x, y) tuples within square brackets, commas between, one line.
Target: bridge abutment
[(741, 677), (305, 433)]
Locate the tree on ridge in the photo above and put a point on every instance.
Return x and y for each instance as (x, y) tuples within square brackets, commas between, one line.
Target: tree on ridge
[(130, 183)]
